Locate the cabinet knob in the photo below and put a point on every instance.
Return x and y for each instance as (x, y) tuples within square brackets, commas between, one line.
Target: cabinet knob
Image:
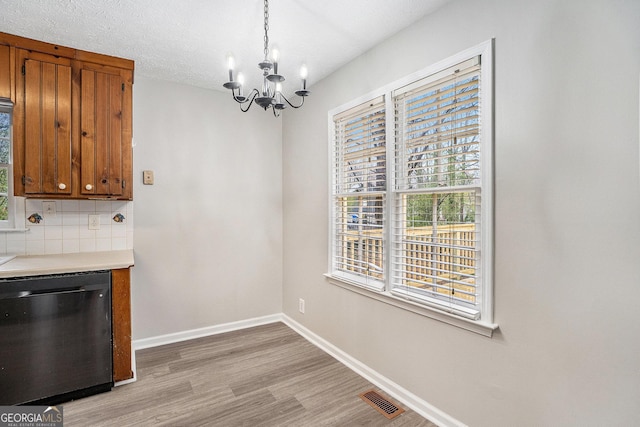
[(89, 187), (62, 186)]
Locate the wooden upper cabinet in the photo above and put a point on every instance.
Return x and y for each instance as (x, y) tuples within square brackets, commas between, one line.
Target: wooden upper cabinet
[(5, 72), (105, 136), (45, 115), (72, 120)]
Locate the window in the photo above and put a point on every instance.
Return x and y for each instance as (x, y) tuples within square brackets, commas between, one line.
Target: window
[(359, 193), (411, 216), (6, 172)]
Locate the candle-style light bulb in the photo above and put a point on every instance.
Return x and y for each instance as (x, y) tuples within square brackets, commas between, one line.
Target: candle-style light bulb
[(241, 81), (275, 55), (303, 76), (279, 92), (231, 65)]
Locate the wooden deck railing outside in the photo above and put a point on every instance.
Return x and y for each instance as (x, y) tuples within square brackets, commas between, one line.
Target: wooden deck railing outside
[(443, 261)]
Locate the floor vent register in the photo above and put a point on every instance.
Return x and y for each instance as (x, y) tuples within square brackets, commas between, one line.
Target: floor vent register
[(381, 404)]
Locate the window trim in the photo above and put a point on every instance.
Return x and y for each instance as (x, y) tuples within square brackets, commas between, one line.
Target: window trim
[(485, 325), (9, 224), (478, 326)]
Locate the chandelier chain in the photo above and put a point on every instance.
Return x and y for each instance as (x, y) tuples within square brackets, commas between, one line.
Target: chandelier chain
[(266, 29)]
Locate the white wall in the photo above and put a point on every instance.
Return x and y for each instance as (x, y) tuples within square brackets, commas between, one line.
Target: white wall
[(567, 219), (208, 233)]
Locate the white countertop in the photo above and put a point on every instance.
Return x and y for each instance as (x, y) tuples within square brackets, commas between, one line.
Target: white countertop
[(35, 265)]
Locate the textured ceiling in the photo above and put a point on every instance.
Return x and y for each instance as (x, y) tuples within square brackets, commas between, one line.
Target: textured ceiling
[(187, 41)]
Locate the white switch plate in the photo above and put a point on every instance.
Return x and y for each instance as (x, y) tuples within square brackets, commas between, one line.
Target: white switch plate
[(301, 305), (49, 208), (94, 222)]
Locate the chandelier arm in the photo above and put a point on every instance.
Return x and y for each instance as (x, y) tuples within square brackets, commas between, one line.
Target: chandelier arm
[(288, 102), (243, 99), (254, 93)]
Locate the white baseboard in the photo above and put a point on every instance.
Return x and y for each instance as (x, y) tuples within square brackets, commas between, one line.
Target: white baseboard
[(403, 395), (204, 332), (417, 404)]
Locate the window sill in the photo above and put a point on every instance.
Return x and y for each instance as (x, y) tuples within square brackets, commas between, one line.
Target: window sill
[(13, 230), (477, 326)]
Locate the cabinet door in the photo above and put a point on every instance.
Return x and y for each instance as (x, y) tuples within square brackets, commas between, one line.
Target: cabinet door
[(102, 134), (5, 72), (121, 318), (47, 127)]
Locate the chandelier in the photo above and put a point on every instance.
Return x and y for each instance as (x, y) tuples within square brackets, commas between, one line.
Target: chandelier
[(270, 96)]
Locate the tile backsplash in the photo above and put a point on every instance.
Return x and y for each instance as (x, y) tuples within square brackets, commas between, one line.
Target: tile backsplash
[(67, 231)]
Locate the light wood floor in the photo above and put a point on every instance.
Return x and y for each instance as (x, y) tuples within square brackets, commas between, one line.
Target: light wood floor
[(263, 376)]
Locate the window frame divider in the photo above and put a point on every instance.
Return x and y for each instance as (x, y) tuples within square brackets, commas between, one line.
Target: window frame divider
[(391, 182)]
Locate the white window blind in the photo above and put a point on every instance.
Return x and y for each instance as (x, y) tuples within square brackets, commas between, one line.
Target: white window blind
[(359, 185), (6, 171), (437, 201)]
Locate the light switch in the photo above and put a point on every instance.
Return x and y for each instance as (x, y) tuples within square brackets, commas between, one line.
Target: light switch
[(147, 177)]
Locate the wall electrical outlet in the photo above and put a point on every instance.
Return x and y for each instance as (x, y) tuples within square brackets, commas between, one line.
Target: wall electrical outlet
[(301, 305), (94, 222), (49, 208)]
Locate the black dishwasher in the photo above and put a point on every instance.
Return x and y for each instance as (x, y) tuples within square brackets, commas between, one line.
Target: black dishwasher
[(55, 337)]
